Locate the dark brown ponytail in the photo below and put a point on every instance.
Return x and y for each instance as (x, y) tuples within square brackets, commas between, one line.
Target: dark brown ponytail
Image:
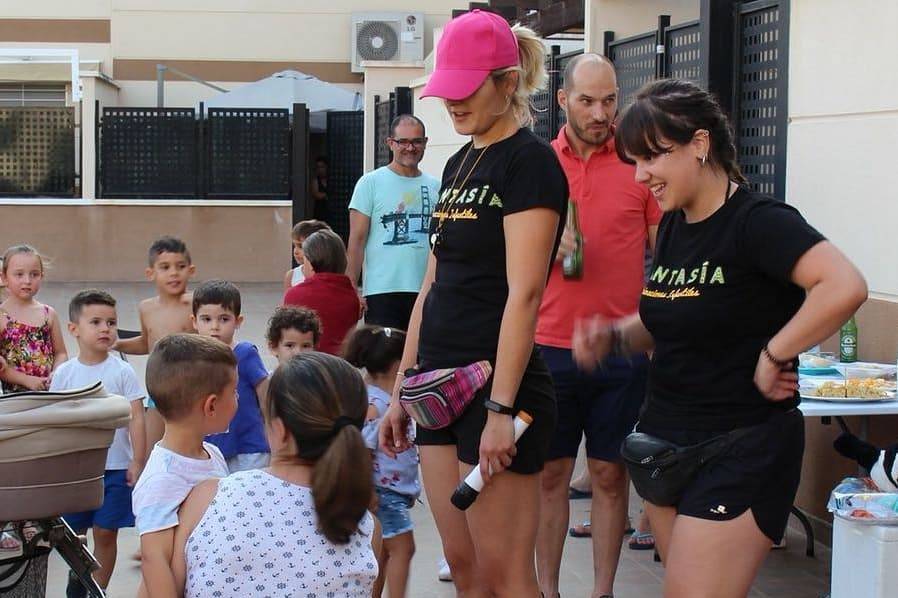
[(374, 348), (322, 400), (671, 111)]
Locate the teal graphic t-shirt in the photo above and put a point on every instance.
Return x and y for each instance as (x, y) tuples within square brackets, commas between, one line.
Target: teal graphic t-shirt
[(397, 248)]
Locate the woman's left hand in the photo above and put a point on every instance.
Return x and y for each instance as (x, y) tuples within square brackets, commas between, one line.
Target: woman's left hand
[(496, 445), (774, 382)]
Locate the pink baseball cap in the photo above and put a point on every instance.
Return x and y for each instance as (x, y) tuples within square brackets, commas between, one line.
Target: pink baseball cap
[(472, 46)]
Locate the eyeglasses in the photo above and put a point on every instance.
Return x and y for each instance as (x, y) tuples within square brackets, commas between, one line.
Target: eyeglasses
[(416, 142)]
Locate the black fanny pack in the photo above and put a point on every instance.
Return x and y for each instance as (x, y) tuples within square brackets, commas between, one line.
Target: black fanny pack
[(661, 470)]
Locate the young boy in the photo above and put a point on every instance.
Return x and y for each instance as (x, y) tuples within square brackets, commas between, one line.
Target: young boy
[(93, 322), (291, 331), (168, 312), (194, 382), (216, 313)]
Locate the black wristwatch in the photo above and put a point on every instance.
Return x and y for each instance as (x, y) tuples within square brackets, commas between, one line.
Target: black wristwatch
[(498, 407)]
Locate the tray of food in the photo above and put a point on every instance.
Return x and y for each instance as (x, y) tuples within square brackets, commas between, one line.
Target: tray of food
[(849, 389), (817, 364)]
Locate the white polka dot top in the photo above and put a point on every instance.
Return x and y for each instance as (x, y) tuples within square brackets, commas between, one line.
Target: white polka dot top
[(259, 538)]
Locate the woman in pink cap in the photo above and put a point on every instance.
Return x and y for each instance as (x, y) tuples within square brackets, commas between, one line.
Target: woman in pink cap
[(493, 233)]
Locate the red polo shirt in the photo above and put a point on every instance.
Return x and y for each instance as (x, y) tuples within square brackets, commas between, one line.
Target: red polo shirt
[(615, 213), (335, 300)]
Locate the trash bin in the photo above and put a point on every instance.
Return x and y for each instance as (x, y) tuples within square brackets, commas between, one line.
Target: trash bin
[(864, 562)]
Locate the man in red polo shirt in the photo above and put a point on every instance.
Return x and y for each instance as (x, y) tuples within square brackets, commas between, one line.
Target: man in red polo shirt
[(617, 219)]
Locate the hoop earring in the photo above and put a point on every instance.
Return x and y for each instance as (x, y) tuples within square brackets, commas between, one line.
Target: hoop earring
[(704, 159)]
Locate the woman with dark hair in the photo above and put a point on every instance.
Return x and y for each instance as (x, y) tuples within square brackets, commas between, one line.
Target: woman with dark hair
[(326, 289), (493, 235), (740, 285), (300, 526)]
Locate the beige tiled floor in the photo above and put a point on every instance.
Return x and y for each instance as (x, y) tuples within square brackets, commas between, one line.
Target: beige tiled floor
[(786, 573)]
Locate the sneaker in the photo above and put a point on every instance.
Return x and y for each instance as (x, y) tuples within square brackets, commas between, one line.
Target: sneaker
[(445, 574)]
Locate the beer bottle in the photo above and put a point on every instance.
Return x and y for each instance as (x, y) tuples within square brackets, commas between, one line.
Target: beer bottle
[(572, 264), (848, 341)]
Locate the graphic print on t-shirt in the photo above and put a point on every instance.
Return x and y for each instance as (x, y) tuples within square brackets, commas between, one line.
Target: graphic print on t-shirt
[(410, 218), (678, 283)]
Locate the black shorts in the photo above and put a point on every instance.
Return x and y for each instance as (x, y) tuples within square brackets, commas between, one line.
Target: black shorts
[(536, 396), (759, 471), (392, 310), (603, 405)]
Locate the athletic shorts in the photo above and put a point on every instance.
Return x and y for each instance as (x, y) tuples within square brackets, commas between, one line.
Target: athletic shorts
[(760, 471), (116, 511), (393, 310), (536, 396), (603, 404)]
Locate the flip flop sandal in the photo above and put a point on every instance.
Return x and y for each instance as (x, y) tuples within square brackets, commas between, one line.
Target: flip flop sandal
[(642, 541), (584, 530)]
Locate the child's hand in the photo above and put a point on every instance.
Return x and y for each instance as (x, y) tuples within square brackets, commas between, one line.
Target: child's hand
[(135, 468), (35, 383)]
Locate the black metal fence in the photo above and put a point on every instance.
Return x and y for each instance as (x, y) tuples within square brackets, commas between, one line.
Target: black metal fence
[(249, 152), (37, 151), (761, 94), (548, 118), (178, 153), (148, 153)]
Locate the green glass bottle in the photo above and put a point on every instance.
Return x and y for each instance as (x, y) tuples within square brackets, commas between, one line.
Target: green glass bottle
[(572, 264), (848, 341)]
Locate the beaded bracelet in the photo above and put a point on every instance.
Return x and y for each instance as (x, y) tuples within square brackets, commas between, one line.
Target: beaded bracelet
[(777, 362)]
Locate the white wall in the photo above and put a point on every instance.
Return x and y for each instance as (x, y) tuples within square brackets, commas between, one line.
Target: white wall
[(843, 131), (626, 17)]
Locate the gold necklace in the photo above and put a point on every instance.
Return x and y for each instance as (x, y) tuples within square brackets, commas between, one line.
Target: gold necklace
[(455, 192)]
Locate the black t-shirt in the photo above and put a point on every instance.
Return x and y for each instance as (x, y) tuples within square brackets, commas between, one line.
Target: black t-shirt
[(719, 289), (463, 310)]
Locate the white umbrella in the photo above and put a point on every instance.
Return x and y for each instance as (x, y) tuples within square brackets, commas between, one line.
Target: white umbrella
[(283, 89)]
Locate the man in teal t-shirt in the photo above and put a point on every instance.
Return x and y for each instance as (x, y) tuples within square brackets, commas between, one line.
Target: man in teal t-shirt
[(389, 219)]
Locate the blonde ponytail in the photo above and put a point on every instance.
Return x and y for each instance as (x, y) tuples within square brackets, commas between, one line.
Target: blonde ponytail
[(532, 69)]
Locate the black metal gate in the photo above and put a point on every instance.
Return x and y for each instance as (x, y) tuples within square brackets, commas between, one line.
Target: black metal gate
[(398, 102), (548, 117), (345, 140), (37, 151), (761, 94), (249, 153)]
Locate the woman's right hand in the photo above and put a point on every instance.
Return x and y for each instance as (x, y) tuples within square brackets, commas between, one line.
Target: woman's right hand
[(35, 383), (393, 433), (591, 342)]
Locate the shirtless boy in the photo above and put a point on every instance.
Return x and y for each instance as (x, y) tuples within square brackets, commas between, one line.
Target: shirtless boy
[(167, 313)]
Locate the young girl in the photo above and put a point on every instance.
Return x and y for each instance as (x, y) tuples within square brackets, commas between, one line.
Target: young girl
[(30, 334), (378, 350), (300, 527)]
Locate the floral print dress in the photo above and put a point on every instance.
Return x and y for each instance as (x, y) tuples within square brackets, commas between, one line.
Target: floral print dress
[(29, 349)]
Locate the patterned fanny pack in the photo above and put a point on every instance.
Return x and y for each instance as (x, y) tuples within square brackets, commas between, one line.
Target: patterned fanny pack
[(437, 398)]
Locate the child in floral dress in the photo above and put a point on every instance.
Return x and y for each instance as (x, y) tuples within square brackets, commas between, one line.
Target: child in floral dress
[(31, 339)]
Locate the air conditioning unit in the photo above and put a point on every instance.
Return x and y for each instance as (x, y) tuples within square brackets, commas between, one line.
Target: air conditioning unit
[(391, 36)]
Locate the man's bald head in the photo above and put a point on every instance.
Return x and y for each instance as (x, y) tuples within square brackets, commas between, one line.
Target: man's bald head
[(580, 64)]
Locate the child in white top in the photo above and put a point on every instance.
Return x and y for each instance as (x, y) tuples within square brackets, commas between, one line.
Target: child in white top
[(93, 323), (300, 527), (301, 230), (193, 380)]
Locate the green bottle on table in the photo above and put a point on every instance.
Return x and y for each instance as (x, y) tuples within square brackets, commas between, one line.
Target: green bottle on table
[(848, 341)]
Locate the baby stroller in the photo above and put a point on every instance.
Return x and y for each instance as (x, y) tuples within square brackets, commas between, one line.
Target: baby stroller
[(52, 457)]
